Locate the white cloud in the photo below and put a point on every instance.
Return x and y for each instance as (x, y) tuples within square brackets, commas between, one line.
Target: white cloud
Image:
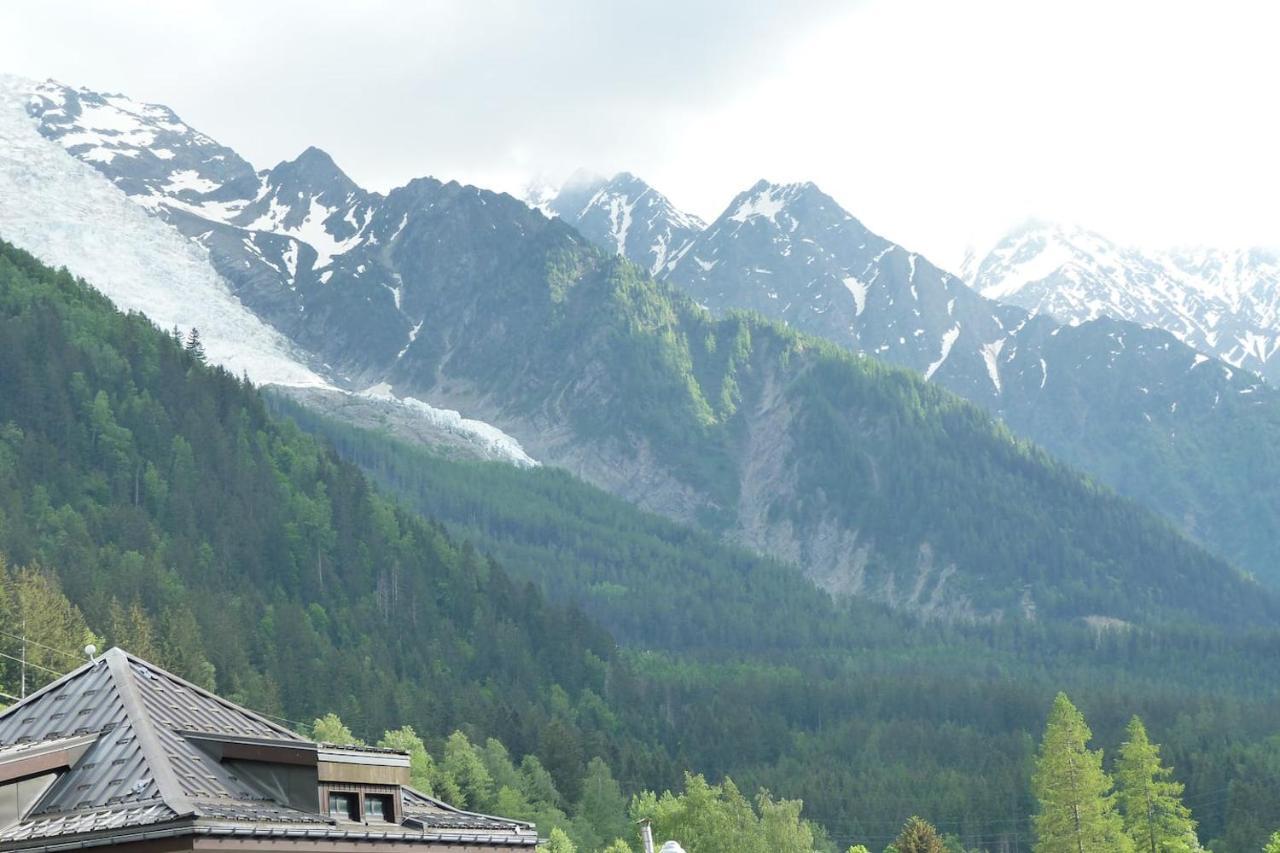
[(936, 122)]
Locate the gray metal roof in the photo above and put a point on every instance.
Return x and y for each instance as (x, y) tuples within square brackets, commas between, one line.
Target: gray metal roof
[(146, 767), (436, 814), (95, 820)]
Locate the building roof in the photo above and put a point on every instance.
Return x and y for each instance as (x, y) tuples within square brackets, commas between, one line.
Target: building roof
[(138, 734)]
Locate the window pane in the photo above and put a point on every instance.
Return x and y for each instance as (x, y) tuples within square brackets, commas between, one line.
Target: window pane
[(343, 806), (378, 807)]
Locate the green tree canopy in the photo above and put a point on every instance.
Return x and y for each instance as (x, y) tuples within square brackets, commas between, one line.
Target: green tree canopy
[(1150, 800), (601, 812), (618, 846), (1077, 811), (558, 842), (464, 765), (331, 729), (707, 818), (422, 768), (918, 836)]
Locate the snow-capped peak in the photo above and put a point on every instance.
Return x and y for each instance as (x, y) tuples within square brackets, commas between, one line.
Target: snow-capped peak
[(67, 214), (624, 215), (766, 200), (1225, 302)]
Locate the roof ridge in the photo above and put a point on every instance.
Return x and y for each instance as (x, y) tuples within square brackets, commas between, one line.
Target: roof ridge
[(148, 741), (226, 703)]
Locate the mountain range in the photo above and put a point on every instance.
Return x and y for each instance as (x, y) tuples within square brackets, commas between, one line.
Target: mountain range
[(1177, 429), (470, 300), (919, 578), (1223, 302), (159, 500)]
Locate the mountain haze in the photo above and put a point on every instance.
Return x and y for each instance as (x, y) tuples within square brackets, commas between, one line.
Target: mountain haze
[(1185, 434), (179, 515), (875, 483), (1224, 303)]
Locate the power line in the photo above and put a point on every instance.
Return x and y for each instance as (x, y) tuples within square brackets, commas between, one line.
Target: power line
[(80, 657), (29, 663), (29, 641)]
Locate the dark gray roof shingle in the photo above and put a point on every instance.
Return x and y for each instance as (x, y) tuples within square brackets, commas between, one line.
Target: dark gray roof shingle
[(148, 765)]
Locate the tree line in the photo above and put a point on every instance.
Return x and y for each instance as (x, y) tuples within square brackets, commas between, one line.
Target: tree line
[(156, 499)]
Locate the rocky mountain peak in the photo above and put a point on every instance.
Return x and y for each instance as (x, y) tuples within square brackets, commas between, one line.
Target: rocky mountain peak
[(623, 214), (1225, 302), (313, 173)]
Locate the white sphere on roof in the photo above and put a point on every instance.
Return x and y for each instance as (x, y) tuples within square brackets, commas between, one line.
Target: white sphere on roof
[(671, 847)]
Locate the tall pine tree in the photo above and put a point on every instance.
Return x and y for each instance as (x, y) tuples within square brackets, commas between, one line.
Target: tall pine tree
[(1077, 810), (1151, 802)]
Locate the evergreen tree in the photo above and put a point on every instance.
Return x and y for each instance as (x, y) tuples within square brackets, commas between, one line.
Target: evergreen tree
[(182, 647), (464, 766), (55, 628), (601, 808), (707, 818), (1151, 802), (1077, 810), (130, 629), (918, 836), (497, 760), (193, 346)]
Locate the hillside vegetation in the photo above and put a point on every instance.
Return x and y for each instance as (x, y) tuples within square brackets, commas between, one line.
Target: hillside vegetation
[(150, 500)]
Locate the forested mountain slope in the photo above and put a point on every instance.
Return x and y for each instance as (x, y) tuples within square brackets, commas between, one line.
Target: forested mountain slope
[(880, 717), (1177, 430), (876, 484), (139, 476)]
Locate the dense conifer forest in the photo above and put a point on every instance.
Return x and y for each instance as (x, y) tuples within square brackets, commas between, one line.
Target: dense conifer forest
[(152, 501)]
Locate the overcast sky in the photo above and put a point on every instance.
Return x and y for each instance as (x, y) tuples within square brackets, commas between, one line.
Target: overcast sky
[(937, 122)]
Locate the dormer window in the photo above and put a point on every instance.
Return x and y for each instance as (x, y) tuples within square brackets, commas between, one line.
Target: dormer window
[(344, 805), (378, 807)]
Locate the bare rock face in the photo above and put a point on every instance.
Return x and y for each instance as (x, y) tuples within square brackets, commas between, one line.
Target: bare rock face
[(512, 333), (1123, 363)]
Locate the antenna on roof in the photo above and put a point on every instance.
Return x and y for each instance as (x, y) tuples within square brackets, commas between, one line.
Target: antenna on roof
[(90, 650)]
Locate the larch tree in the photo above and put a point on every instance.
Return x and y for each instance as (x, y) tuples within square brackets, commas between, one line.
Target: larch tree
[(918, 836), (601, 809), (1150, 800), (1077, 809)]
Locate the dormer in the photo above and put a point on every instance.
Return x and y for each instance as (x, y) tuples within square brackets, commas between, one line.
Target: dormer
[(362, 784), (28, 771)]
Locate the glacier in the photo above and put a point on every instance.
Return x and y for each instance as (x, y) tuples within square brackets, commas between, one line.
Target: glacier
[(69, 215), (57, 206)]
